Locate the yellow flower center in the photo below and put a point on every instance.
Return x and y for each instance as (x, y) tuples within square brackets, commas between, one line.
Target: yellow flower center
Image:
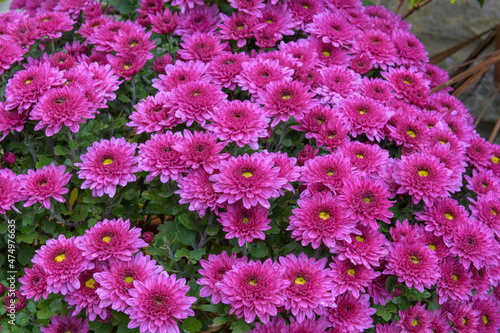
[(196, 93), (362, 111), (414, 322), (493, 212), (287, 96), (432, 247), (252, 282), (245, 220), (46, 20), (320, 121), (126, 67), (60, 257), (454, 277), (414, 259), (330, 173), (300, 280), (305, 6), (485, 319), (406, 81), (133, 44), (324, 215), (423, 173), (90, 283), (331, 136), (360, 155), (449, 216), (27, 82), (360, 239), (367, 200), (351, 272), (464, 321), (129, 279), (442, 142), (247, 174), (484, 185), (411, 133), (107, 161), (269, 21), (107, 239), (326, 53), (239, 27), (495, 159)]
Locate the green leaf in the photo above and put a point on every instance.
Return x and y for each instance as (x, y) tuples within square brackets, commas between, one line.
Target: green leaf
[(209, 308), (481, 2), (391, 282), (45, 314), (188, 221), (240, 327), (185, 236), (382, 312), (287, 142), (61, 150), (43, 161), (73, 144), (27, 237), (220, 320), (196, 255), (259, 251), (25, 254), (191, 324), (49, 227), (79, 213), (368, 3)]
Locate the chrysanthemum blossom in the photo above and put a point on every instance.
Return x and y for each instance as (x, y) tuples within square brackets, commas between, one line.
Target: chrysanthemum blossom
[(213, 271), (202, 18), (489, 321), (156, 303), (225, 67), (52, 24), (116, 280), (486, 209), (365, 157), (336, 84), (423, 177), (455, 282), (331, 170), (320, 219), (201, 46), (413, 264), (483, 181), (66, 323), (111, 240), (62, 262), (198, 191), (185, 4), (415, 319), (289, 171), (251, 7), (257, 73), (153, 115), (43, 184), (254, 289), (334, 28), (164, 22), (252, 179), (10, 190), (241, 122), (347, 276), (238, 27), (86, 298), (351, 314), (34, 283), (179, 73), (108, 164)]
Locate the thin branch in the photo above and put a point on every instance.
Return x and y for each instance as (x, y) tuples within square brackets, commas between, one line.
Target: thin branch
[(398, 6), (483, 111), (415, 8)]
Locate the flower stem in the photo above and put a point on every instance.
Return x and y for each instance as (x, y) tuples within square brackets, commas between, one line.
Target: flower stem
[(282, 137)]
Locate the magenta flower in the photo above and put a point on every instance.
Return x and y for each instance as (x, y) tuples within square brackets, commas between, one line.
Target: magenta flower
[(376, 46), (180, 73), (164, 22), (127, 64), (52, 24), (107, 164), (252, 179), (240, 122), (153, 115), (303, 11), (483, 181), (488, 312), (413, 263), (251, 7), (10, 190), (254, 289), (43, 184), (200, 150), (11, 120), (410, 51), (62, 262), (257, 73), (202, 18), (336, 84), (455, 282), (111, 240), (334, 28), (197, 189), (289, 171), (158, 157), (225, 67), (86, 298), (213, 272), (245, 224), (347, 276), (201, 46), (486, 209), (330, 170), (415, 319), (351, 314), (34, 283), (65, 324), (320, 219), (156, 303), (408, 85), (238, 27), (117, 280), (309, 291), (364, 156), (184, 4)]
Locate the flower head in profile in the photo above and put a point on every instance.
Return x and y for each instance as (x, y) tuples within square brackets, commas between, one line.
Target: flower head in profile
[(10, 190), (116, 280), (164, 22), (155, 304), (213, 271), (254, 289), (66, 323), (107, 164), (245, 224), (251, 7), (43, 184), (34, 283), (111, 240)]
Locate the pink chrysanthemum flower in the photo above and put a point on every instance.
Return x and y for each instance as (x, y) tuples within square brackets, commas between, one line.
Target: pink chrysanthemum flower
[(179, 73), (240, 122), (186, 4), (413, 263), (378, 290), (494, 162), (34, 283), (43, 184), (409, 132), (377, 47), (415, 319), (463, 317), (158, 157), (116, 280), (288, 169), (309, 291), (256, 74), (306, 154), (366, 116), (422, 176), (66, 324), (434, 243), (202, 18), (27, 86), (455, 282), (213, 271), (328, 55), (320, 219), (161, 62), (127, 64), (254, 289), (488, 313), (194, 101), (411, 52), (12, 120), (475, 243), (277, 18), (61, 106), (276, 325), (408, 85), (486, 209), (367, 201), (164, 22), (364, 156), (62, 262), (86, 298), (483, 182), (337, 83), (307, 326), (285, 99), (453, 160), (197, 190), (252, 179), (245, 224), (349, 277), (111, 240), (153, 115), (316, 119), (333, 28), (135, 41), (479, 152), (238, 27), (201, 46), (107, 164), (303, 11), (200, 150), (351, 314), (10, 190), (251, 7), (376, 88), (225, 67), (52, 24), (366, 247), (11, 52), (156, 303), (91, 24)]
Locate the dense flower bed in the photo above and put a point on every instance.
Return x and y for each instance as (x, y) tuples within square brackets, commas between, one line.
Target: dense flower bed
[(238, 166)]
